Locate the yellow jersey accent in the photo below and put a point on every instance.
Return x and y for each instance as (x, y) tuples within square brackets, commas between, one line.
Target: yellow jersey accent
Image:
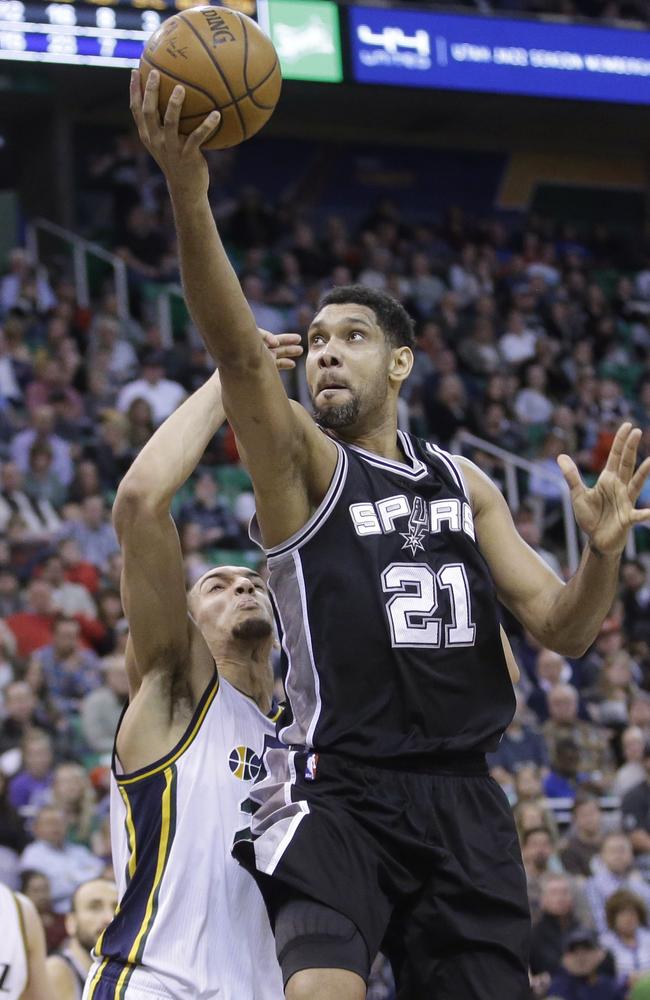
[(181, 750)]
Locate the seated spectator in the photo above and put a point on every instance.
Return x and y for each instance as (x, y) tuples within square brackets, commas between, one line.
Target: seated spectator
[(25, 286), (93, 908), (68, 598), (627, 937), (36, 886), (75, 568), (610, 697), (517, 344), (94, 533), (586, 835), (121, 362), (545, 483), (70, 672), (564, 778), (445, 407), (551, 671), (72, 792), (613, 869), (533, 815), (140, 423), (162, 395), (102, 708), (529, 527), (33, 627), (557, 918), (37, 513), (631, 772), (595, 758), (521, 743), (579, 976), (86, 482), (41, 482), (35, 775), (52, 385), (532, 405), (636, 597), (22, 715), (66, 865), (41, 432), (538, 854), (635, 810), (218, 523)]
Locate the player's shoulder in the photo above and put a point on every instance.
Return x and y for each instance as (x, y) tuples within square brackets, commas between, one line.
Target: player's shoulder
[(60, 972), (481, 490)]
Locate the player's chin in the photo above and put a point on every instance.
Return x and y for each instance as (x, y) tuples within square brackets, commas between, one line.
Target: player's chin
[(337, 415), (253, 626)]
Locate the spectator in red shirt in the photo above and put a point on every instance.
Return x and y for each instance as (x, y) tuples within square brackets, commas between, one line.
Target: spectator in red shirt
[(33, 627), (75, 568)]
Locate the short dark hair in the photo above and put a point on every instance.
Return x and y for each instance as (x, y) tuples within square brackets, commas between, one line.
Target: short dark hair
[(392, 317)]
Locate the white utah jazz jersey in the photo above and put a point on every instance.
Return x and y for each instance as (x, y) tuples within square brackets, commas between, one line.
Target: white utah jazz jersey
[(191, 923), (14, 970)]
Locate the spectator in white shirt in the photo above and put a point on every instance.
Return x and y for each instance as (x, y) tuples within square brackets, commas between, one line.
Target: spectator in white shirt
[(632, 772), (518, 342), (68, 598), (627, 937), (22, 278), (532, 405), (66, 865), (162, 395)]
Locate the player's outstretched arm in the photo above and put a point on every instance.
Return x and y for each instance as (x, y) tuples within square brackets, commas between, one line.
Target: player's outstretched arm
[(153, 579), (38, 986), (565, 617), (279, 442)]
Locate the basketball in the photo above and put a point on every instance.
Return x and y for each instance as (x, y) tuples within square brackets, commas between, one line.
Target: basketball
[(225, 62)]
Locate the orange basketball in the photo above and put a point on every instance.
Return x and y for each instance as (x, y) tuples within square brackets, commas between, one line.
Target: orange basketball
[(225, 61)]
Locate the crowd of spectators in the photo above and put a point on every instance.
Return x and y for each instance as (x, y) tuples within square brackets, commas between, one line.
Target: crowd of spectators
[(534, 336)]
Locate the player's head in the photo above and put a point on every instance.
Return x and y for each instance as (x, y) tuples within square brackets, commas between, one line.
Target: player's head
[(360, 352), (231, 606), (93, 908)]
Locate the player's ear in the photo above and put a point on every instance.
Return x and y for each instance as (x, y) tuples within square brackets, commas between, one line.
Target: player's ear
[(401, 363)]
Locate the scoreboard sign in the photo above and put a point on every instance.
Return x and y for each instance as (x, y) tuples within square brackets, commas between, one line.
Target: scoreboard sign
[(88, 34)]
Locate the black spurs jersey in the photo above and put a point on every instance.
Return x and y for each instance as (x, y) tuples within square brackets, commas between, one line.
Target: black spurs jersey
[(388, 615)]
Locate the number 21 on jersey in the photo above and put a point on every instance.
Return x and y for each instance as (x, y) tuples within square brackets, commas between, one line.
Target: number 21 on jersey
[(414, 590)]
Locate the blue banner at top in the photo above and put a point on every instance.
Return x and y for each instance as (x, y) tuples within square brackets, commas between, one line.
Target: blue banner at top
[(449, 52)]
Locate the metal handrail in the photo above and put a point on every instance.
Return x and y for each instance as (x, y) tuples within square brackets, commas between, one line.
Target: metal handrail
[(511, 463), (81, 248)]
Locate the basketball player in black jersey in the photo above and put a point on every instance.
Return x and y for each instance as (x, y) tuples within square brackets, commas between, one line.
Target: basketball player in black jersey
[(93, 908), (376, 823)]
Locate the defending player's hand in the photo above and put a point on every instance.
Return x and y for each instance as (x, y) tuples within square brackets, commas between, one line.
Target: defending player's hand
[(607, 511), (285, 348), (178, 156)]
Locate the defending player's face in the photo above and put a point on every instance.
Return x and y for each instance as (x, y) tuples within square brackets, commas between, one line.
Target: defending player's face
[(93, 908), (347, 365), (235, 600)]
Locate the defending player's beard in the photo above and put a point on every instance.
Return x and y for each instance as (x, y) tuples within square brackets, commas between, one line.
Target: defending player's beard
[(252, 628), (333, 417)]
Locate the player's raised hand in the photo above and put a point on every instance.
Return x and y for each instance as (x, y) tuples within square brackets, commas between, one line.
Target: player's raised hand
[(285, 348), (607, 511), (178, 156)]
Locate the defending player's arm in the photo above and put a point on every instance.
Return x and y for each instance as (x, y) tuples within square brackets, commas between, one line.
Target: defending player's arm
[(564, 617), (38, 987), (153, 579), (280, 443)]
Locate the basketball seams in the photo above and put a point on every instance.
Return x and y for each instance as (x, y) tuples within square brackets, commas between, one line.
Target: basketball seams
[(258, 104), (219, 70), (167, 72), (250, 91)]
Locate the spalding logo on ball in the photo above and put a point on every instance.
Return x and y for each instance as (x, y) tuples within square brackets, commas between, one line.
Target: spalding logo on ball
[(225, 62)]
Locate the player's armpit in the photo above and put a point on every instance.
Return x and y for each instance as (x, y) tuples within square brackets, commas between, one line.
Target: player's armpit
[(524, 582), (38, 986)]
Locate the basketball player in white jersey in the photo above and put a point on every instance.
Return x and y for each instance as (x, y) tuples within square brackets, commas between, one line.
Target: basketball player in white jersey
[(93, 908), (22, 949), (191, 923)]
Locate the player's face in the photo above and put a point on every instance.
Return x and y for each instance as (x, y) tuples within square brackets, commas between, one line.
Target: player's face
[(347, 365), (94, 908), (233, 600)]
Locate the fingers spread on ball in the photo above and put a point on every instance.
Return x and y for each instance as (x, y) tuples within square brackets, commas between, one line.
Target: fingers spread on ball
[(174, 108), (206, 129), (150, 103)]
